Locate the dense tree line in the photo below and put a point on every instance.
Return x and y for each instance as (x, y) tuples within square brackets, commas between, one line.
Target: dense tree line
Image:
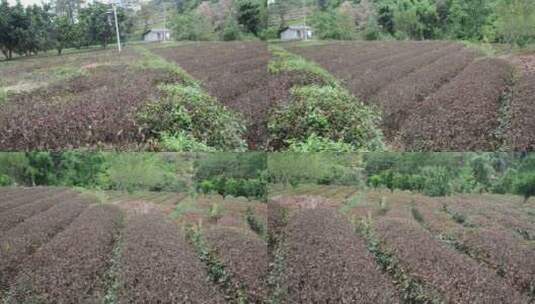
[(33, 29), (219, 19), (507, 21)]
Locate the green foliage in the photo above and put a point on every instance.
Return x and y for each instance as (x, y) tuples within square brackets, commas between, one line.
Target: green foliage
[(437, 181), (192, 26), (515, 22), (269, 33), (230, 165), (5, 180), (250, 15), (327, 112), (351, 203), (525, 185), (139, 171), (322, 168), (231, 30), (189, 109), (375, 181), (254, 223), (3, 96), (249, 188), (182, 142), (315, 143), (286, 62), (330, 24)]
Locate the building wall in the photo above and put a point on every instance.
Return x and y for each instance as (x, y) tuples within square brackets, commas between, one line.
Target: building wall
[(153, 36), (289, 35)]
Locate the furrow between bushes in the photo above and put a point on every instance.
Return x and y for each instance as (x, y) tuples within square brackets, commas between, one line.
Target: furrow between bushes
[(246, 258), (234, 275)]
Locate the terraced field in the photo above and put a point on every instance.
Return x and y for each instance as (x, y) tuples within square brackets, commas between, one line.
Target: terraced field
[(436, 96), (60, 246), (407, 248)]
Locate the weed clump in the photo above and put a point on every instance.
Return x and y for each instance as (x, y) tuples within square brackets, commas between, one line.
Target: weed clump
[(329, 113), (203, 122)]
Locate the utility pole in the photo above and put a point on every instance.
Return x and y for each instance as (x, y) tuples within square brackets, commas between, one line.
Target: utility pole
[(305, 19), (117, 28)]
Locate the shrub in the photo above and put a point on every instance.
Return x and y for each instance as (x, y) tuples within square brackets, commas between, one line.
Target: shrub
[(506, 183), (437, 181), (182, 142), (189, 109), (315, 143), (5, 180), (375, 181), (254, 223), (328, 112), (269, 33), (192, 26), (206, 187), (525, 185), (333, 25), (231, 30), (139, 171)]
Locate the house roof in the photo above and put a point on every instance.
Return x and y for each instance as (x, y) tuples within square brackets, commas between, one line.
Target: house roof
[(155, 30)]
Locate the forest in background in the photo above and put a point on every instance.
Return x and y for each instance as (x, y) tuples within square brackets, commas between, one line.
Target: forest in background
[(62, 24), (501, 21), (248, 174)]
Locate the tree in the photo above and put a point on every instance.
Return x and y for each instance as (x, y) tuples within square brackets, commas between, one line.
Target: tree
[(515, 22), (249, 15), (469, 19), (525, 185), (191, 26), (97, 24)]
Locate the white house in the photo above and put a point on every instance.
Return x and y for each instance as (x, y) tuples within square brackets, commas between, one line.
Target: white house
[(153, 35), (297, 32)]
